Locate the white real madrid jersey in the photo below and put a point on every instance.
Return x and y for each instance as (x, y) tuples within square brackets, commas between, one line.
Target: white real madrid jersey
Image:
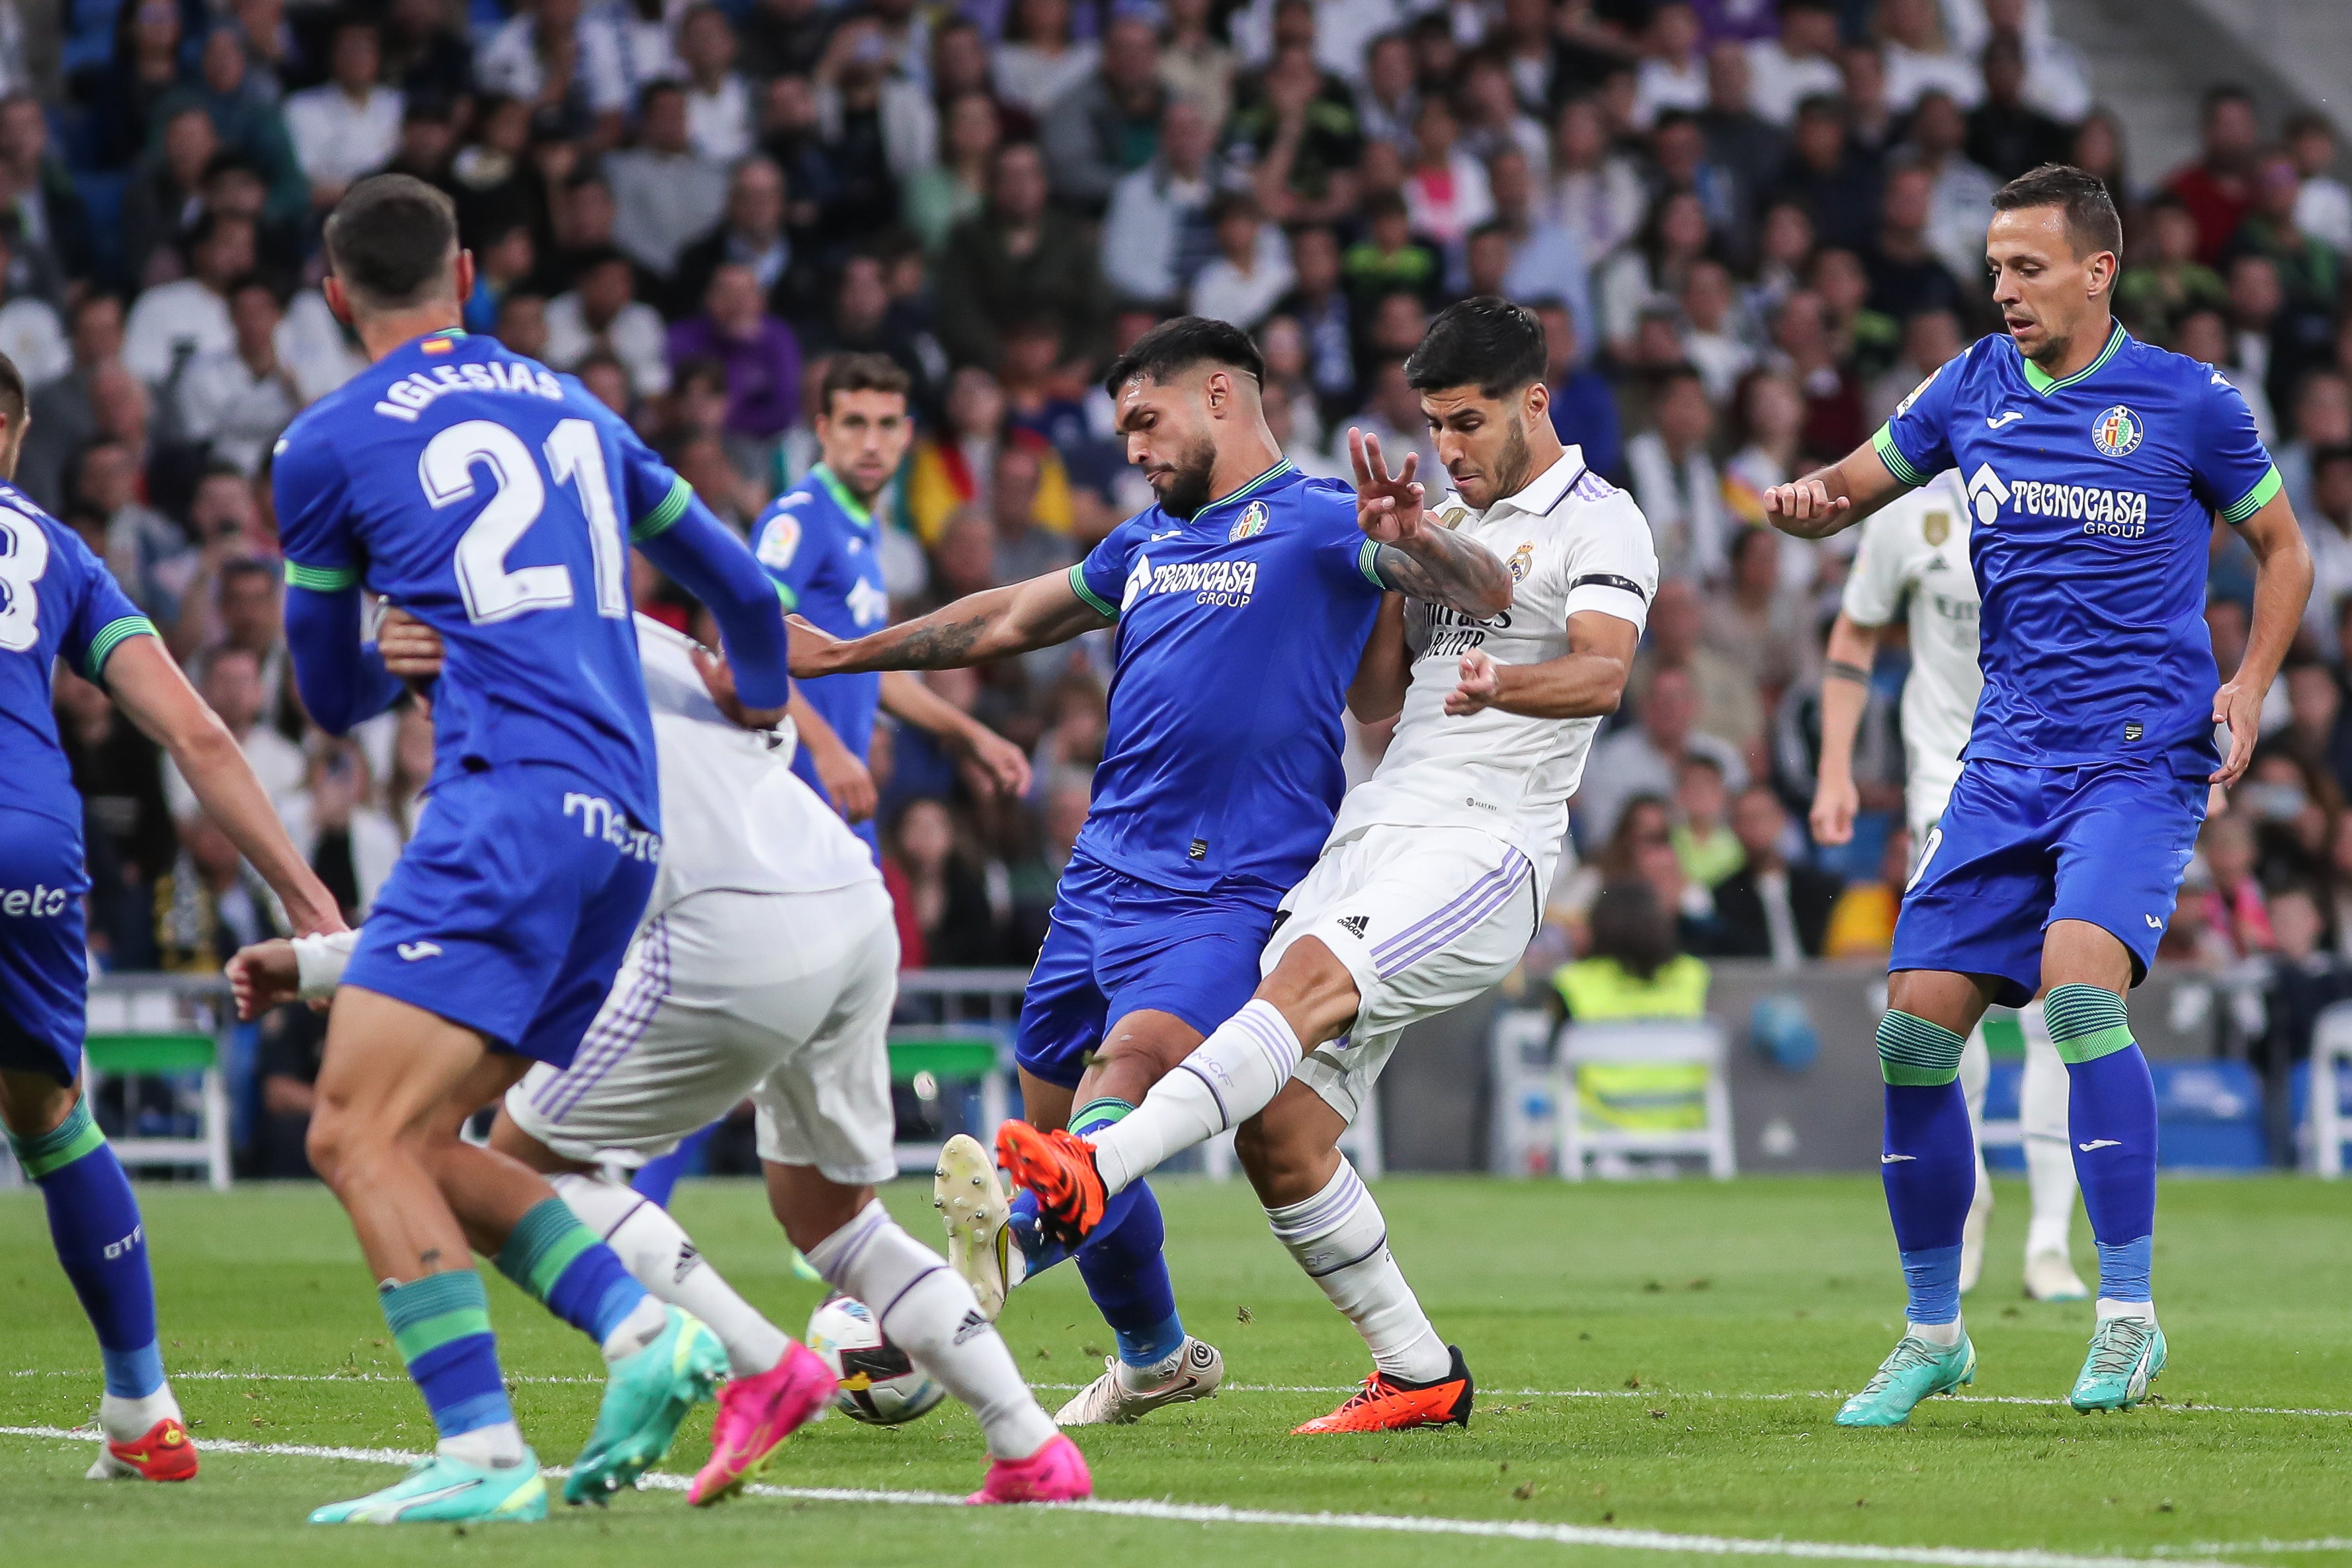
[(1916, 547), (1573, 542), (734, 816)]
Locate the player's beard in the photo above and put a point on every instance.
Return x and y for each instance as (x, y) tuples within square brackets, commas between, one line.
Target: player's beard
[(1510, 470), (1188, 480)]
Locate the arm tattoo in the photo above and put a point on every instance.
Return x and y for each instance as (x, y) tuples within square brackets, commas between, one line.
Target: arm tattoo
[(1447, 569), (1841, 670), (926, 646)]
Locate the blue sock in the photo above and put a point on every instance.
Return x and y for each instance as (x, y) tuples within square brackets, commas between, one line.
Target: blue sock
[(441, 1325), (1125, 1270), (1928, 1164), (1037, 1253), (560, 1261), (657, 1178), (2111, 1117), (94, 1222)]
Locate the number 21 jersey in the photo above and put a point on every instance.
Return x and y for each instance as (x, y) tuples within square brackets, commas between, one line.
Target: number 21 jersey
[(494, 501)]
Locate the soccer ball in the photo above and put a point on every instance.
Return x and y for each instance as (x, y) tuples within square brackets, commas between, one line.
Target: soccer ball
[(880, 1385)]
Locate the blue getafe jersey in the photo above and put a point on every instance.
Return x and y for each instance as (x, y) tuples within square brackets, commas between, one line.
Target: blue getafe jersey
[(823, 550), (1239, 630), (493, 500), (55, 598), (2093, 500)]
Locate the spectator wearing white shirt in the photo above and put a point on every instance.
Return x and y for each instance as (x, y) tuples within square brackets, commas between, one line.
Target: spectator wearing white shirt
[(30, 333), (1672, 74), (237, 400), (350, 127), (1959, 206), (1801, 63), (561, 63), (1384, 102), (1711, 336), (2322, 207), (1156, 233), (1676, 483), (1495, 123), (1596, 192), (1038, 62), (1919, 58), (232, 684), (2057, 79), (1547, 262), (603, 312), (190, 316), (1341, 30), (1252, 267), (1445, 190), (2328, 528), (719, 109), (665, 194)]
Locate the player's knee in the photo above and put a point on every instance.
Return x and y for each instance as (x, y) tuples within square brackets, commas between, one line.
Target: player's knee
[(1312, 989), (1283, 1163), (32, 1103)]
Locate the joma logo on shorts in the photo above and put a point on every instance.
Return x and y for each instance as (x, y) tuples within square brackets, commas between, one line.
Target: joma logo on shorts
[(599, 819)]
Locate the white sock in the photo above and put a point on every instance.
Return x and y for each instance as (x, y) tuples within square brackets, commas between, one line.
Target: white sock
[(126, 1420), (1230, 1077), (2049, 1162), (932, 1314), (490, 1447), (655, 1248), (1341, 1240), (1944, 1334), (2111, 1308), (639, 1329)]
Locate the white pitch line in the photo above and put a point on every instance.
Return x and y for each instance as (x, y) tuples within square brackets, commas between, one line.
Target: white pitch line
[(1642, 1394), (1399, 1524), (2324, 1543)]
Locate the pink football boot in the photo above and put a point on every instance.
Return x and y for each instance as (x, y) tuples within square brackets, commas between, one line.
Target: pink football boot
[(755, 1416), (1055, 1473)]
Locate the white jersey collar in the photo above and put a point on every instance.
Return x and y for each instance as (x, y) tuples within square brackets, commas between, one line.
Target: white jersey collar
[(1542, 493)]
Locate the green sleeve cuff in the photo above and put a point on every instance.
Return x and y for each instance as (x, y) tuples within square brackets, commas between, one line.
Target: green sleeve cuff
[(322, 578), (111, 636), (1367, 561), (1892, 455), (2256, 498), (1079, 586), (663, 517), (784, 591)]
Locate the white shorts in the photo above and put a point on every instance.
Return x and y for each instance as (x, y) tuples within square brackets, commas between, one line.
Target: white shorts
[(785, 998), (1424, 918)]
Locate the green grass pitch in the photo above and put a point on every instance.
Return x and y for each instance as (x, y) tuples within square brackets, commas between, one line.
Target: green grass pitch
[(1657, 1363)]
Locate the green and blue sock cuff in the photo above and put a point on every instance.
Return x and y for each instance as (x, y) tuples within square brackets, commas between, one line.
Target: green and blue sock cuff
[(543, 1244), (61, 1145), (2086, 1023), (1916, 1053), (435, 1312), (1095, 1114)]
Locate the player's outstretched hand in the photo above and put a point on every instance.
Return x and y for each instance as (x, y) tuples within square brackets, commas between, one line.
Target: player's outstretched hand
[(2240, 707), (263, 976), (1803, 502), (1481, 685), (809, 645), (1388, 506), (719, 682), (991, 762), (411, 649), (1835, 801)]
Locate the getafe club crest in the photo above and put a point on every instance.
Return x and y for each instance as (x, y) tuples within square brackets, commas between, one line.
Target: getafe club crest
[(1249, 524), (2116, 432), (1936, 527), (1522, 562)]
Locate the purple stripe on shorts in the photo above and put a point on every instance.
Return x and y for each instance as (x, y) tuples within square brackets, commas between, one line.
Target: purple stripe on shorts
[(1463, 917), (1388, 946), (621, 1031)]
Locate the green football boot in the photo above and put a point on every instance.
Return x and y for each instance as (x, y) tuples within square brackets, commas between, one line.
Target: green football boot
[(2125, 1355), (1915, 1371), (646, 1394), (442, 1490)]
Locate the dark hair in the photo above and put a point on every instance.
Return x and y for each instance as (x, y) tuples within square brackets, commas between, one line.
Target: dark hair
[(1629, 924), (229, 160), (2092, 224), (700, 368), (392, 238), (2224, 92), (861, 372), (2327, 455), (11, 390), (660, 86), (1489, 343), (246, 566), (1175, 345)]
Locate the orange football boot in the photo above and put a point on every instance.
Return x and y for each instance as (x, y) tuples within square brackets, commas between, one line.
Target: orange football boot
[(1059, 1167), (1389, 1404), (166, 1453)]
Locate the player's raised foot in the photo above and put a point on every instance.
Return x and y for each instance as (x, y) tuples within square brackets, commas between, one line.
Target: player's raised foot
[(1059, 1167), (1387, 1404), (1124, 1393), (1055, 1473), (646, 1394), (442, 1490), (2051, 1277), (164, 1452), (755, 1416), (2125, 1355), (973, 1206), (1915, 1371)]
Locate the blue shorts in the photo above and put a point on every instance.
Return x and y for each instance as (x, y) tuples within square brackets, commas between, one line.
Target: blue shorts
[(511, 908), (2019, 847), (44, 962), (1119, 945)]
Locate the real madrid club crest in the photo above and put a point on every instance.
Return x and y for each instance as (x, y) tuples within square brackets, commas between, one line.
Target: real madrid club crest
[(1249, 524), (1936, 527), (2116, 432), (1522, 562)]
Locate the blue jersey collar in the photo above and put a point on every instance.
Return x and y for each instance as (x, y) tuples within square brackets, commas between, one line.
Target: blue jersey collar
[(1264, 482), (2039, 380)]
